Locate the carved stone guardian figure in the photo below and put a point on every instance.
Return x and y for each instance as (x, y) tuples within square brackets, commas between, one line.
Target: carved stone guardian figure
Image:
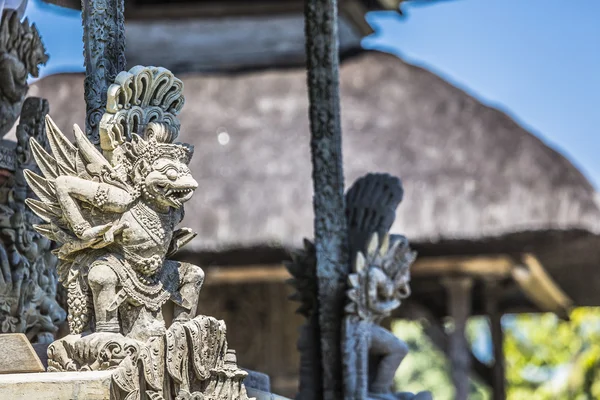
[(113, 214), (378, 282)]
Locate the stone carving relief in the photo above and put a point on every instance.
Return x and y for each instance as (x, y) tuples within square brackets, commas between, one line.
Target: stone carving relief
[(21, 54), (28, 279), (104, 56), (378, 281), (113, 214)]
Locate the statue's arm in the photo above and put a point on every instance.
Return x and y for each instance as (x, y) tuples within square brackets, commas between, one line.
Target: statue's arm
[(70, 190)]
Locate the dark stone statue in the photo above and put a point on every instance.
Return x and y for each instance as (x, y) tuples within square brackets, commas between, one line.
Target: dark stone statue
[(21, 53), (378, 281)]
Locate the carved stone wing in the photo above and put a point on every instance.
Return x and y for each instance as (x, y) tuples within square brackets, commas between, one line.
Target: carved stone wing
[(82, 160)]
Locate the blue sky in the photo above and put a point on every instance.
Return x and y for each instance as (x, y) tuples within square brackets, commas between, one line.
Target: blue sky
[(538, 60)]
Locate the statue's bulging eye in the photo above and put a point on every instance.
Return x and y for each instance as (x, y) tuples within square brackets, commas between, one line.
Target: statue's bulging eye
[(172, 174)]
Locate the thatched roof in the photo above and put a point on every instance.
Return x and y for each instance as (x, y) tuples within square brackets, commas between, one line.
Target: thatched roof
[(475, 181)]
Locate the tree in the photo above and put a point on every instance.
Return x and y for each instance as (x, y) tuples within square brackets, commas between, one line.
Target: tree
[(426, 367), (546, 358)]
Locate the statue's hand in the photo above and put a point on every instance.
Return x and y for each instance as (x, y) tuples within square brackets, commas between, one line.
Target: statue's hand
[(109, 236), (106, 231), (94, 232)]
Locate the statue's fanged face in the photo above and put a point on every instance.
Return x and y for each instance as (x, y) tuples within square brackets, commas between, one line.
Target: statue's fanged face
[(38, 57), (170, 182)]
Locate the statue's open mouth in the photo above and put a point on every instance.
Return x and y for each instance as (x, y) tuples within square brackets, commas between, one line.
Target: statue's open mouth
[(181, 195)]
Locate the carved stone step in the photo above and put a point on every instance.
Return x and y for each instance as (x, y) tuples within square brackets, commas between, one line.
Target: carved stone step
[(90, 385), (56, 385)]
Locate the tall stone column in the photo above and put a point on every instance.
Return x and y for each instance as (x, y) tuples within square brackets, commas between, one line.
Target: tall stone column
[(104, 56), (328, 179)]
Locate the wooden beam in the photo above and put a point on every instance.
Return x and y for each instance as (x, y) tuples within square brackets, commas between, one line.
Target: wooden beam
[(493, 293), (459, 302), (540, 288), (495, 266), (491, 265), (246, 274), (210, 10)]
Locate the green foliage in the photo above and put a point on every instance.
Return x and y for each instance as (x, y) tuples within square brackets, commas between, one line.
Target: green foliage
[(546, 358), (426, 367)]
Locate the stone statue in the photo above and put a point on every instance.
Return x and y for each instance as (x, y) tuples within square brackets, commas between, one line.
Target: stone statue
[(378, 282), (21, 53), (28, 280), (113, 214)]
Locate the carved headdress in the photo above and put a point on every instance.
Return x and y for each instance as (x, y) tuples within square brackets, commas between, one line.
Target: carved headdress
[(140, 123), (371, 205), (137, 98), (375, 254)]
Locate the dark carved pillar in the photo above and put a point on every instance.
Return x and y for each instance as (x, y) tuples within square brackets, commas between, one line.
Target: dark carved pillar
[(328, 179), (459, 300), (104, 55)]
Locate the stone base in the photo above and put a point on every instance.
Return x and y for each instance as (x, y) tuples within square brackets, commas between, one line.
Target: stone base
[(89, 385), (17, 355), (56, 385)]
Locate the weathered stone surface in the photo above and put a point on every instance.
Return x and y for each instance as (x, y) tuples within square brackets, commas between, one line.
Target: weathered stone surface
[(17, 355), (56, 386), (379, 279), (21, 53), (28, 279), (113, 214), (27, 275)]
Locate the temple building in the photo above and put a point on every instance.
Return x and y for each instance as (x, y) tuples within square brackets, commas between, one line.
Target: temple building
[(200, 35), (480, 192), (502, 222)]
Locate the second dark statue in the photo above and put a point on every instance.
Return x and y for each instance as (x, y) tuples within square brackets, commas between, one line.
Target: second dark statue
[(378, 280)]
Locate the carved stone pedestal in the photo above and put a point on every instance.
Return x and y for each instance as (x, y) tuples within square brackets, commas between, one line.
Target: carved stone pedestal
[(90, 385), (93, 385), (189, 361)]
